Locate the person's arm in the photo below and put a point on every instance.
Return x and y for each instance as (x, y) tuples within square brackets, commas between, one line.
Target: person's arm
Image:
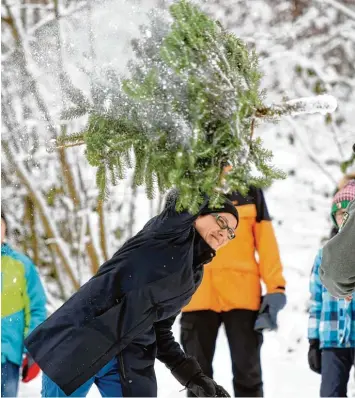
[(185, 369), (337, 271), (35, 314), (266, 245), (315, 309), (169, 350), (270, 267), (34, 297)]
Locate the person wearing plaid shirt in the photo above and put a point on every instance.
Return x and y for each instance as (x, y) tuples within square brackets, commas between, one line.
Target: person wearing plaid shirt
[(331, 327)]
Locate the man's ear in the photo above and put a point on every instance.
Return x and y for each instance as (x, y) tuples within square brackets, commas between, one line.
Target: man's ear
[(195, 222)]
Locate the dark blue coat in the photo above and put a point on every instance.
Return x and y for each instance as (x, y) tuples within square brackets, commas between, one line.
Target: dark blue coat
[(127, 309)]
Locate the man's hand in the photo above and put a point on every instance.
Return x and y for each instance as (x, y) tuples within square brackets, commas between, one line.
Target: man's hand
[(203, 386), (30, 369), (189, 374)]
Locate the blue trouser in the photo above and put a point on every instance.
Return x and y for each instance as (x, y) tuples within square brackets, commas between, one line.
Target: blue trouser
[(9, 379), (336, 366), (107, 381)]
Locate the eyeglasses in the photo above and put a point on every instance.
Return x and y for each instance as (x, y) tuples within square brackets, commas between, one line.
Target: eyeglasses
[(223, 224)]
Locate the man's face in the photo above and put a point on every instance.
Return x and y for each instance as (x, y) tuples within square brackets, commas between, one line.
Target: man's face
[(3, 230), (339, 215), (209, 227)]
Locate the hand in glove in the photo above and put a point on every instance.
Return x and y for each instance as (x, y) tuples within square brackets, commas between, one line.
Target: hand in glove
[(30, 369), (189, 374), (315, 356), (271, 305)]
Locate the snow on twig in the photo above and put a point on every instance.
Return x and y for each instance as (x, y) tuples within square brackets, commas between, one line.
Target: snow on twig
[(319, 104)]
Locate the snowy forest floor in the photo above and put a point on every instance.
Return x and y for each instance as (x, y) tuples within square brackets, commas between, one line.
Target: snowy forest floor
[(284, 357), (286, 374)]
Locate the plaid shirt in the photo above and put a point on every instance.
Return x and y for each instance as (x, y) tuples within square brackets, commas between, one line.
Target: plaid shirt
[(331, 320)]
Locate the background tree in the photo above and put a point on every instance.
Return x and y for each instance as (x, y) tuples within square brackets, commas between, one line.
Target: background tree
[(51, 199)]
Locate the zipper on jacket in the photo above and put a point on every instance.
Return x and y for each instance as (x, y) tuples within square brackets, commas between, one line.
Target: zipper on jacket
[(122, 369)]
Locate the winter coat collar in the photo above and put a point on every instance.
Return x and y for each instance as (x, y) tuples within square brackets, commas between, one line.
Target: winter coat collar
[(6, 249), (203, 253)]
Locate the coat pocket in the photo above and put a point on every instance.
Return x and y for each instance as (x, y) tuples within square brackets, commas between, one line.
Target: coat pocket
[(108, 322)]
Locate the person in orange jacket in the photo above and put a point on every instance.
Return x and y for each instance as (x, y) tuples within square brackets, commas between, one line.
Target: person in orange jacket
[(230, 293)]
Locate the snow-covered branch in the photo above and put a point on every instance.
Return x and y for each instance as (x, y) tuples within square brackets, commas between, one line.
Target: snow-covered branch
[(51, 228), (320, 104), (340, 7)]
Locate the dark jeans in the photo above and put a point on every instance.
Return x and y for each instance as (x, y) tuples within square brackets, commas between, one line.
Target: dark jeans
[(336, 366), (199, 331), (10, 374)]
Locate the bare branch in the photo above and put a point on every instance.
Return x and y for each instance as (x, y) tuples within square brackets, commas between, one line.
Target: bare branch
[(10, 21)]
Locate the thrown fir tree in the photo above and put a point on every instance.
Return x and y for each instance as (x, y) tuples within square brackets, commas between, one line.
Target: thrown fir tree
[(187, 110)]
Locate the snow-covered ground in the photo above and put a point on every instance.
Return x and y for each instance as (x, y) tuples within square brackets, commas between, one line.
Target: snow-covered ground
[(285, 373)]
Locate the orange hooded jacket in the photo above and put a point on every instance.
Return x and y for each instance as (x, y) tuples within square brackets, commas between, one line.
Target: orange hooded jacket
[(232, 279)]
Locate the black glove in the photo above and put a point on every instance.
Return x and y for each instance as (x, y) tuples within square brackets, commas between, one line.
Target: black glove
[(189, 374), (315, 356)]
